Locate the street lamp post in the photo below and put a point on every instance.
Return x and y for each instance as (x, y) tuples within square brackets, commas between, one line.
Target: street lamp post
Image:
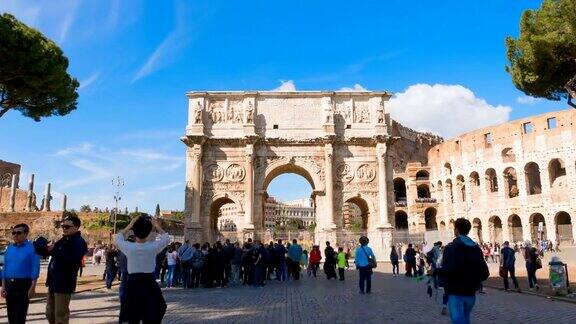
[(118, 182)]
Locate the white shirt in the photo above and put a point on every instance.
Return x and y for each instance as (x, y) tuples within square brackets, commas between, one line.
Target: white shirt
[(172, 257), (141, 257)]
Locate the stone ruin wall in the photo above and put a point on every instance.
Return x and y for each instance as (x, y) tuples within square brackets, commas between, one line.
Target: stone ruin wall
[(411, 146)]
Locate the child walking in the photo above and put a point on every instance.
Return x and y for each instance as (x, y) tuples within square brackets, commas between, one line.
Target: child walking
[(341, 259)]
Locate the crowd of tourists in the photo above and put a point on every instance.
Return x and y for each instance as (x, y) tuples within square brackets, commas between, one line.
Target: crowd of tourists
[(144, 260)]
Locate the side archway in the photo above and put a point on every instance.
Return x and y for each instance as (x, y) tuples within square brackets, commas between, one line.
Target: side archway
[(537, 231), (430, 219), (515, 228), (564, 228)]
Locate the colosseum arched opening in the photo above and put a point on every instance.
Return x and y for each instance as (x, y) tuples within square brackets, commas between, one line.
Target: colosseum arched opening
[(430, 219), (399, 190), (558, 180), (474, 180), (449, 191), (508, 155), (515, 228), (537, 233), (422, 175), (564, 225), (495, 229), (533, 184), (401, 220), (491, 180), (448, 168), (439, 191), (423, 191), (461, 186), (476, 231), (510, 182)]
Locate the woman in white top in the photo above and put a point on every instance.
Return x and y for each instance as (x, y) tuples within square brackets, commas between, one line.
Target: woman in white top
[(143, 298), (172, 261)]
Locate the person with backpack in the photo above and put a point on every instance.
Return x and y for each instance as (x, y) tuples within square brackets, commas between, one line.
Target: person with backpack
[(463, 270), (508, 265), (295, 254), (236, 264), (197, 262), (533, 263), (365, 262), (280, 254), (410, 259)]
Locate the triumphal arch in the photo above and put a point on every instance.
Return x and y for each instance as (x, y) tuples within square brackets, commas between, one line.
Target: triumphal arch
[(237, 142)]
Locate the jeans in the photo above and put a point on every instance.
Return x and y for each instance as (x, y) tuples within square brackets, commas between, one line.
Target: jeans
[(260, 273), (195, 283), (235, 274), (281, 271), (512, 275), (185, 273), (170, 276), (395, 268), (110, 275), (122, 288), (460, 308), (531, 269), (365, 279)]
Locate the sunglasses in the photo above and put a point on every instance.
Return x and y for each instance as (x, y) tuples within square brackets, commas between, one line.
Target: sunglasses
[(65, 226), (17, 232)]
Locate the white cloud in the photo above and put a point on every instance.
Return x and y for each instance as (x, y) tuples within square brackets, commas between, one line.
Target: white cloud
[(286, 86), (527, 100), (446, 110), (357, 88), (168, 48), (89, 81), (92, 173), (84, 147)]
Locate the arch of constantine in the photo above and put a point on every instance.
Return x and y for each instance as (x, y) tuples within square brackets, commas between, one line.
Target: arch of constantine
[(238, 142)]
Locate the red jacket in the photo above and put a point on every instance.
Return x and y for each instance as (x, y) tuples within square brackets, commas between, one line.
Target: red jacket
[(315, 256)]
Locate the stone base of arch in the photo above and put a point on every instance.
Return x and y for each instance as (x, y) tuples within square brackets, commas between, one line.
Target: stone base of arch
[(380, 242)]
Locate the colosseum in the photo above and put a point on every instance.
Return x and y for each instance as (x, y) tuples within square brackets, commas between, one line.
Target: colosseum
[(515, 182)]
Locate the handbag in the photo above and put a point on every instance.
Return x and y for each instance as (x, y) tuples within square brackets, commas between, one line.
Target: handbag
[(502, 272), (371, 262), (538, 263)]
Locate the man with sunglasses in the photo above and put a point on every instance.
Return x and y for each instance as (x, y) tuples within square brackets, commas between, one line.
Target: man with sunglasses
[(21, 270), (66, 258)]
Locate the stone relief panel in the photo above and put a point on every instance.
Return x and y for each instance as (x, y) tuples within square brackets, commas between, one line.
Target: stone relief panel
[(214, 173), (365, 173), (344, 111), (235, 172), (225, 111), (362, 112), (344, 172)]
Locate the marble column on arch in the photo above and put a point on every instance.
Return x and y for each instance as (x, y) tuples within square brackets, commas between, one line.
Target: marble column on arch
[(382, 154), (329, 191), (192, 204), (249, 188)]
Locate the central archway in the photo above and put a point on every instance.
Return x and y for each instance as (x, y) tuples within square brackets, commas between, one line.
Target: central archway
[(288, 205)]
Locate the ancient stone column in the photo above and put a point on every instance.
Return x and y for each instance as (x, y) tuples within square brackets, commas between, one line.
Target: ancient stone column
[(381, 150), (13, 194), (249, 188), (46, 206), (30, 197), (64, 201), (328, 153), (194, 183)]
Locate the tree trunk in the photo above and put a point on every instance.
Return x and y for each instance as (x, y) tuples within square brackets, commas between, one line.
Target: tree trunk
[(571, 89)]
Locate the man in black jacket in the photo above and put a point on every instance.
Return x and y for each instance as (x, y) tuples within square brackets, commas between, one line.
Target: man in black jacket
[(66, 257), (463, 269)]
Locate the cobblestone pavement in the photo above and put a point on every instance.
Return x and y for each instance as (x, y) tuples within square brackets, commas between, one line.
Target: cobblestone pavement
[(394, 299)]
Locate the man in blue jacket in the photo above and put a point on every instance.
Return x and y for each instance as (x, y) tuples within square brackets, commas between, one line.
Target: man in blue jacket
[(463, 270), (21, 270), (66, 258)]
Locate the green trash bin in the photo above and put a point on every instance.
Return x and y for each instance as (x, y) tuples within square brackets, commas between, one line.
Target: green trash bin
[(558, 276)]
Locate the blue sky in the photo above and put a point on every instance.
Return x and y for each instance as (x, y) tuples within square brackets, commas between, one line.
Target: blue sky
[(136, 59)]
